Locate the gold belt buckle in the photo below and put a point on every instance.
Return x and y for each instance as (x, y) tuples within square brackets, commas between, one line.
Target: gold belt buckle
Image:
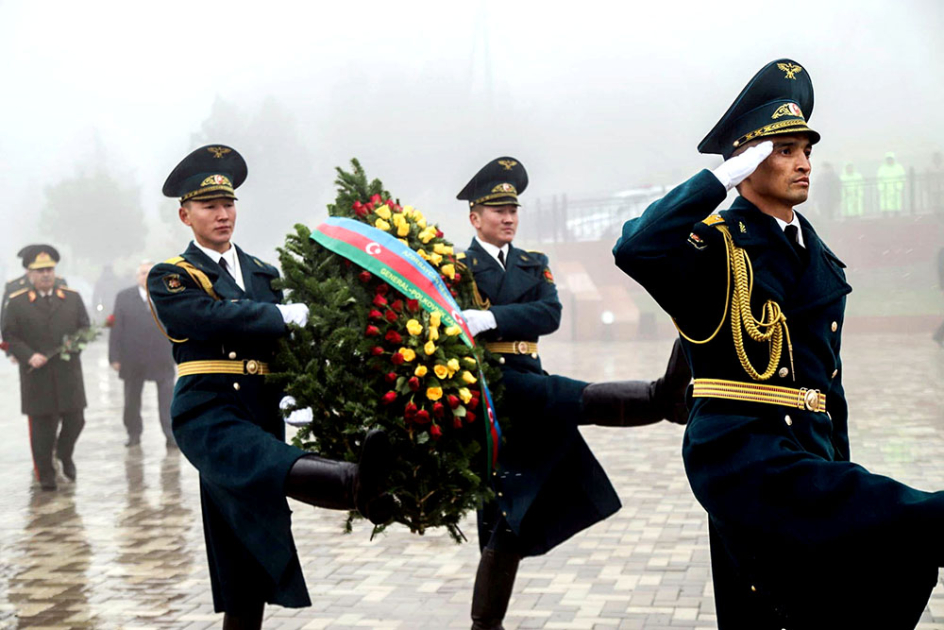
[(252, 366), (810, 398), (521, 347)]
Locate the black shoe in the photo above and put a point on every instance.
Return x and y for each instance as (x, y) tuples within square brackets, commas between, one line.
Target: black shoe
[(373, 471), (48, 484), (133, 440), (68, 468)]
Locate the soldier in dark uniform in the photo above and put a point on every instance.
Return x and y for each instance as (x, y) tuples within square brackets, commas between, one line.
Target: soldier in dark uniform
[(549, 484), (801, 538), (37, 320), (22, 282), (223, 317)]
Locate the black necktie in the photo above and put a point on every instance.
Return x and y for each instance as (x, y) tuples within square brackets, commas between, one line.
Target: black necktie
[(793, 235), (501, 258), (226, 267)]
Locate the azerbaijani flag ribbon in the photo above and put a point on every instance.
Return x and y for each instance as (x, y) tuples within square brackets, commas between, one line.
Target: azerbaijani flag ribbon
[(402, 268)]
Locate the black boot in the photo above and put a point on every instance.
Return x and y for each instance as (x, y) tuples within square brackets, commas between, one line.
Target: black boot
[(494, 582), (248, 619), (637, 403), (338, 485)]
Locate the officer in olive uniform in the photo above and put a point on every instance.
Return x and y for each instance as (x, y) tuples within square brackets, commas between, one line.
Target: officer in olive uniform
[(36, 321), (801, 538), (224, 318), (549, 484), (22, 282)]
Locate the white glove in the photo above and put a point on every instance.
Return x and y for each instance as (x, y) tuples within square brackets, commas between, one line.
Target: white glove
[(479, 321), (299, 417), (294, 313), (735, 170)]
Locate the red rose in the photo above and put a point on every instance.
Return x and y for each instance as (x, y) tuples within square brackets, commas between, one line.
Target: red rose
[(391, 377), (376, 351), (438, 409), (360, 209), (110, 321), (369, 207), (410, 412), (435, 432), (393, 337), (457, 278), (413, 306), (357, 205), (390, 203), (453, 291), (388, 398), (473, 403), (382, 289), (413, 383), (347, 263), (391, 316), (364, 276), (457, 423), (453, 401), (397, 305), (375, 314), (422, 417), (375, 198), (469, 417), (475, 393), (439, 233), (372, 331), (397, 358), (380, 300)]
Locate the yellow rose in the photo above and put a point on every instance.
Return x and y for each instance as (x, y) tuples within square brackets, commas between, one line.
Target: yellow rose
[(383, 212), (433, 334), (380, 224), (404, 241), (465, 395), (441, 372), (448, 270), (427, 234), (435, 319), (453, 365), (423, 254), (420, 371), (420, 219), (468, 378), (430, 348), (414, 328), (460, 256), (470, 361), (435, 259), (409, 355), (434, 393), (452, 331), (403, 229), (408, 211)]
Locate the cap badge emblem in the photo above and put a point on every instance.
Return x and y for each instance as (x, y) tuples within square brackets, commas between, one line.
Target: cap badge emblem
[(505, 188), (508, 164), (218, 152), (791, 69), (788, 109), (216, 180)]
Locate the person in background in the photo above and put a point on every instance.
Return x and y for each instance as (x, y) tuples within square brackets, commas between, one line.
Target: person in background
[(890, 181), (853, 192)]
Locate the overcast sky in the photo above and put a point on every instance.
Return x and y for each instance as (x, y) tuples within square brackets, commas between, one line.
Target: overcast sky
[(592, 97)]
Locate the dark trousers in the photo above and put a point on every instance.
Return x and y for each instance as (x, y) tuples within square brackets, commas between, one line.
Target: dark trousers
[(132, 415), (43, 440)]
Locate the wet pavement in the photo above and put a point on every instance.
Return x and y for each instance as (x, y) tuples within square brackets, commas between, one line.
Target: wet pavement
[(123, 547)]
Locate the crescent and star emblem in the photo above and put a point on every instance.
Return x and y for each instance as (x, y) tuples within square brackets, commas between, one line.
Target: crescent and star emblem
[(372, 248)]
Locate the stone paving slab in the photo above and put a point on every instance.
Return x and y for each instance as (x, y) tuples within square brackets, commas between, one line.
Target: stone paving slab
[(123, 548)]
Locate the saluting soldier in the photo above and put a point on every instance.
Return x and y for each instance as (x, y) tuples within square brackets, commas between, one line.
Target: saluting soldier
[(39, 318), (224, 317), (549, 485), (801, 538)]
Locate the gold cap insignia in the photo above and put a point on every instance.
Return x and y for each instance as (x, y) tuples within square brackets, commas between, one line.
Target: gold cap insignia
[(42, 261), (791, 69), (508, 164), (216, 180), (218, 152), (788, 109), (505, 188)]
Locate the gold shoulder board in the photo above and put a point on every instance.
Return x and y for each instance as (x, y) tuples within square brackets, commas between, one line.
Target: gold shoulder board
[(711, 219)]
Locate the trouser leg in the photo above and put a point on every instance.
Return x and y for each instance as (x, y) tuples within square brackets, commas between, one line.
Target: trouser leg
[(42, 441), (248, 619), (495, 578), (72, 424), (132, 415), (165, 394)]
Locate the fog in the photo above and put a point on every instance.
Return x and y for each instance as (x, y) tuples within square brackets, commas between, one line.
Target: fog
[(593, 98)]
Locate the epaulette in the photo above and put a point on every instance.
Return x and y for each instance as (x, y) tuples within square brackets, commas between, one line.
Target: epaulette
[(174, 260), (16, 293), (65, 288), (712, 219), (195, 274)]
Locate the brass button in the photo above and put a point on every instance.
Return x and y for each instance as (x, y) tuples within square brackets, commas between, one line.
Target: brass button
[(835, 372), (236, 386), (494, 474), (500, 494), (252, 366), (504, 513), (501, 360), (521, 347), (784, 372), (753, 588), (534, 355), (232, 355), (788, 420), (834, 326), (811, 399)]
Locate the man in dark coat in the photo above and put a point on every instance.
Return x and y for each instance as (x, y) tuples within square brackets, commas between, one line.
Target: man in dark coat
[(801, 538), (224, 318), (549, 485), (36, 324), (139, 352), (22, 282)]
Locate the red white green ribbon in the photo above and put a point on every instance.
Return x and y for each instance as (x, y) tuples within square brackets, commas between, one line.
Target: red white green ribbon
[(402, 268)]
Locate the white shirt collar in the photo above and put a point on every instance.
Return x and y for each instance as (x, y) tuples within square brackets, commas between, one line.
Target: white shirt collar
[(143, 294), (796, 222), (231, 259), (493, 251)]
